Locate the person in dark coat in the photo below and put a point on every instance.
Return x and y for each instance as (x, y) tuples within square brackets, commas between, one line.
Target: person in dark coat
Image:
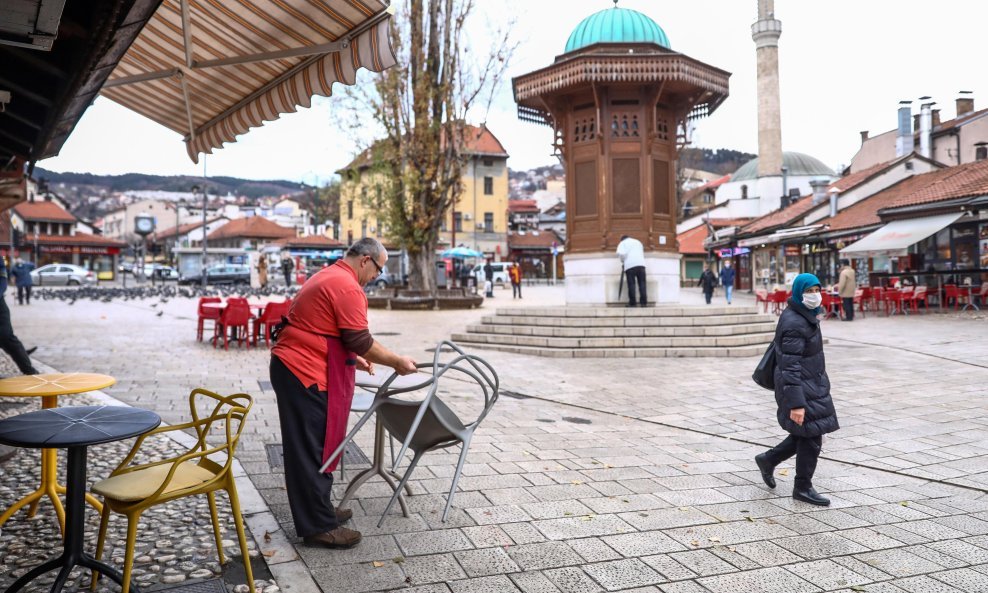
[(802, 391), (708, 280), (727, 279), (488, 280)]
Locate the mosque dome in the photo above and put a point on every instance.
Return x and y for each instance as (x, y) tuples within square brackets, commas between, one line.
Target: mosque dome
[(616, 25), (799, 164)]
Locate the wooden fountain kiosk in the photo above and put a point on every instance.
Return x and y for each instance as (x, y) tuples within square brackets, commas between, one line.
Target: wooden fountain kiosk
[(619, 101)]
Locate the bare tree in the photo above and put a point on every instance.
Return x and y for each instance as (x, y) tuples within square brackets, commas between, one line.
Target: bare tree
[(421, 107)]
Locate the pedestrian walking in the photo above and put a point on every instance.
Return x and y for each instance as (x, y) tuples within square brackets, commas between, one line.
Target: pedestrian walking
[(847, 285), (21, 272), (802, 390), (9, 342), (632, 255), (707, 280), (262, 271), (323, 341), (727, 280), (488, 279), (514, 272), (287, 266)]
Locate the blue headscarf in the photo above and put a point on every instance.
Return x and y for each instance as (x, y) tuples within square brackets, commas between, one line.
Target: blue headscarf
[(799, 286)]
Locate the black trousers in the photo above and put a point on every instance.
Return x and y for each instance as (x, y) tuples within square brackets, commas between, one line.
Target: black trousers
[(21, 292), (515, 290), (10, 344), (806, 450), (288, 278), (848, 308), (302, 411), (708, 294), (636, 275)]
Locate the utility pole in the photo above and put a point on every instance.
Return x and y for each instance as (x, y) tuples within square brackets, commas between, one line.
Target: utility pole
[(204, 197)]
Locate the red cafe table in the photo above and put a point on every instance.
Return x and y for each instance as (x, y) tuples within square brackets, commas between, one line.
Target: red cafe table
[(48, 387)]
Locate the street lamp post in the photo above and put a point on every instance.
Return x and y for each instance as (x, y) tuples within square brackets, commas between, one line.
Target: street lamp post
[(196, 188)]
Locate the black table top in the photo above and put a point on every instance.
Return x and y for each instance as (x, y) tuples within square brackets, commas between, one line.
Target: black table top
[(76, 426)]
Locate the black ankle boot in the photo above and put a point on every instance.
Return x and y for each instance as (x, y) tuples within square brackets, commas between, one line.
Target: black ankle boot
[(811, 496), (766, 468)]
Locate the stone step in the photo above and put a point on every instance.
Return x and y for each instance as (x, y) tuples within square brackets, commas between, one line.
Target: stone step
[(629, 312), (755, 339), (743, 351), (518, 317), (500, 328)]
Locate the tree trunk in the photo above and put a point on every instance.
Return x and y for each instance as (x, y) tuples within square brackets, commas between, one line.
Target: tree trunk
[(422, 269)]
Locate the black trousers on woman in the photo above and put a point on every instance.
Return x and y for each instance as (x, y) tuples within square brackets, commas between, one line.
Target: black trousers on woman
[(807, 452), (302, 411)]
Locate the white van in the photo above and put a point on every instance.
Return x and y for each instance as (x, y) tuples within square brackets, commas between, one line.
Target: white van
[(500, 274)]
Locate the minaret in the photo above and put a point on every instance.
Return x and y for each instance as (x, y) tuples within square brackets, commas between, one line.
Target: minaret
[(766, 32)]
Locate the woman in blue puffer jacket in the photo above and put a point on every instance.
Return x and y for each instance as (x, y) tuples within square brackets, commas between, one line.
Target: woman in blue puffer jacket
[(802, 390)]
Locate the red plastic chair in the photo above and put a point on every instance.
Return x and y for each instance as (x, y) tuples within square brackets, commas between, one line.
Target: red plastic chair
[(893, 302), (778, 300), (917, 295), (877, 297), (207, 313), (761, 296), (270, 317), (233, 323), (832, 304), (862, 296)]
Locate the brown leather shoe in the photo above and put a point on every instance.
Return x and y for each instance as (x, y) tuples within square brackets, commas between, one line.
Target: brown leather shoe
[(341, 537), (343, 515)]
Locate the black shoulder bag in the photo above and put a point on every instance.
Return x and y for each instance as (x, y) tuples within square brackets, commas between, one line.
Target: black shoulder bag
[(764, 374)]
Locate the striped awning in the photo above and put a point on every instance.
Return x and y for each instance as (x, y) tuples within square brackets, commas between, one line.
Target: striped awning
[(213, 69)]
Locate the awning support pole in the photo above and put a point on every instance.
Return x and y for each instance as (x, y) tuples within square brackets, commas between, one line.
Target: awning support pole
[(187, 33)]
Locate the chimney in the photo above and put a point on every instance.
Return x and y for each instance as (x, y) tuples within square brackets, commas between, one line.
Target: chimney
[(925, 127), (819, 190), (980, 151), (834, 194), (936, 117), (904, 135), (864, 136), (965, 103)]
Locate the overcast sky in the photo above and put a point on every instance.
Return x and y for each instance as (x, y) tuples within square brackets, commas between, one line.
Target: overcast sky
[(845, 65)]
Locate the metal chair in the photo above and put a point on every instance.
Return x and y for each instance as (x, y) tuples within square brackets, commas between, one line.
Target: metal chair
[(132, 489), (430, 424)]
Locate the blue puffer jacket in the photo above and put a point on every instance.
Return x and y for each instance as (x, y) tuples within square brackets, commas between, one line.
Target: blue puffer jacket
[(801, 373)]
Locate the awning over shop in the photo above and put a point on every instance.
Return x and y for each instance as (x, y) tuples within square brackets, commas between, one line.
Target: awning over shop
[(212, 70), (894, 239), (779, 236)]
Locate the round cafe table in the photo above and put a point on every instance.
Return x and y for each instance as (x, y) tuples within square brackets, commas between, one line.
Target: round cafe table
[(48, 387), (74, 428)]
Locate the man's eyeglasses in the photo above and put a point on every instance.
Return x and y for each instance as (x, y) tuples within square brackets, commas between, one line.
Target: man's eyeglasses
[(380, 270)]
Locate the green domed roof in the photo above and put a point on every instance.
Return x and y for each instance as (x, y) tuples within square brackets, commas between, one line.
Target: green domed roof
[(616, 25), (799, 164)]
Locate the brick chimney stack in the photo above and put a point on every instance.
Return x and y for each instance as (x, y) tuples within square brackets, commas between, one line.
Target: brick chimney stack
[(965, 103)]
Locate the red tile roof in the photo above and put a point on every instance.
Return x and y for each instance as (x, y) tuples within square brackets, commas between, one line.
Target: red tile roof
[(43, 210), (857, 178), (691, 241), (533, 240), (251, 227), (479, 140), (782, 217), (523, 206), (76, 239), (185, 228)]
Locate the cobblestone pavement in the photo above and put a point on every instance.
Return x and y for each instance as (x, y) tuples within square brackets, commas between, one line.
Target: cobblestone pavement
[(619, 475)]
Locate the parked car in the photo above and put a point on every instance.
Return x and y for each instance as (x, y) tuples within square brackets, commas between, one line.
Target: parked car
[(500, 273), (62, 275), (220, 274), (384, 280), (126, 267)]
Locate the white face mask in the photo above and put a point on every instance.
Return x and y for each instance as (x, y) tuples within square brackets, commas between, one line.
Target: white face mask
[(812, 300)]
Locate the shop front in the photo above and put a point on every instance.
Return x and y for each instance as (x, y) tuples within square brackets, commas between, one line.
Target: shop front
[(741, 260), (101, 259)]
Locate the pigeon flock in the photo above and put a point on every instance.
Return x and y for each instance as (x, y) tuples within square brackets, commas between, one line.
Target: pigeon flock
[(161, 292)]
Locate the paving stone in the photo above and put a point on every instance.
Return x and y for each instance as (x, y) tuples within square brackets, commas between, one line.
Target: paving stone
[(576, 527), (865, 570), (643, 543), (485, 562), (931, 530), (523, 533), (487, 536), (933, 555), (437, 568), (625, 503), (544, 555), (694, 497), (533, 582), (668, 568), (683, 587), (494, 584), (962, 550), (766, 580), (828, 575), (926, 584), (623, 574), (555, 509), (666, 518), (432, 542), (766, 553), (702, 562), (701, 536), (870, 539), (573, 580), (435, 588), (594, 550), (898, 563), (820, 545), (378, 547), (361, 577), (730, 555)]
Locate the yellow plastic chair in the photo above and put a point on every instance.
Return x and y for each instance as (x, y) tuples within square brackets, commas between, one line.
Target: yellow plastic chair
[(131, 489)]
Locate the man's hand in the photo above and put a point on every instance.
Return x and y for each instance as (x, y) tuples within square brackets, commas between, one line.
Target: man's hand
[(797, 415), (365, 365), (404, 365)]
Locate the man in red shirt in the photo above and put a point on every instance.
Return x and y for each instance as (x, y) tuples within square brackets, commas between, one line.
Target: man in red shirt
[(312, 371)]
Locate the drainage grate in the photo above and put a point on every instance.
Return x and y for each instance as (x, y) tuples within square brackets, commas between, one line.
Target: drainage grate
[(265, 385), (576, 420), (352, 455), (208, 586), (514, 395)]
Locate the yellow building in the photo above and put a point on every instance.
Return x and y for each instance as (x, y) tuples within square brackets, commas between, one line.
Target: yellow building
[(478, 221)]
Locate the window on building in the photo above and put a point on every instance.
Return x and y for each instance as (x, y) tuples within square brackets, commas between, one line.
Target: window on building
[(708, 198), (349, 237), (488, 186), (363, 228), (489, 222), (458, 221), (488, 162), (444, 227), (349, 209)]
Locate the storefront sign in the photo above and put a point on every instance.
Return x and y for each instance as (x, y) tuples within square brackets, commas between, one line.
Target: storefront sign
[(732, 252), (81, 249), (793, 250)]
